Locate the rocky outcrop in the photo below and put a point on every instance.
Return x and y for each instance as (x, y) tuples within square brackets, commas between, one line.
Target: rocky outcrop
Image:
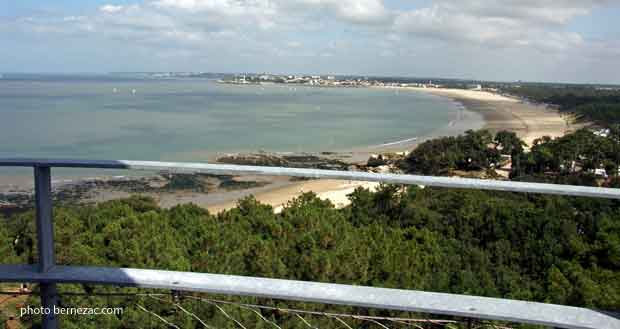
[(385, 163), (302, 160)]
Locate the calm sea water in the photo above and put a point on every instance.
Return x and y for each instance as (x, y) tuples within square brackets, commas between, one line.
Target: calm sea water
[(110, 117)]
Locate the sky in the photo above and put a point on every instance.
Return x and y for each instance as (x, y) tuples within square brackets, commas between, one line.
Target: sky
[(500, 40)]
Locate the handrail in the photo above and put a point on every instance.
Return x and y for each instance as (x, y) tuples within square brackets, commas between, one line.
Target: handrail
[(48, 274), (325, 293), (225, 169)]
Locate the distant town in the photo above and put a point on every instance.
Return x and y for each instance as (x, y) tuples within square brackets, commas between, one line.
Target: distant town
[(324, 81), (333, 80)]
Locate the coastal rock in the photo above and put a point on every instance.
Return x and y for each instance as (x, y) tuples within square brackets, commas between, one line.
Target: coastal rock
[(387, 159), (92, 189), (302, 160), (259, 159)]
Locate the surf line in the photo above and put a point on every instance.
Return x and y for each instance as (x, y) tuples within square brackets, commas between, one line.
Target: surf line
[(400, 141)]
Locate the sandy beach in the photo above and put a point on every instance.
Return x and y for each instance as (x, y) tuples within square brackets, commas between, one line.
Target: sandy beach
[(529, 121), (277, 193), (335, 191)]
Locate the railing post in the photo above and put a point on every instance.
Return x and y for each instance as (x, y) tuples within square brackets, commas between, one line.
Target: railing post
[(45, 242)]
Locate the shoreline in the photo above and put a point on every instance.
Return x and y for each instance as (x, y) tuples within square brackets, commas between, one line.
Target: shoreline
[(528, 121), (497, 112), (356, 154)]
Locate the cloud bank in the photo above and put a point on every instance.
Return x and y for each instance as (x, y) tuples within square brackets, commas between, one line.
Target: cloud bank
[(438, 37)]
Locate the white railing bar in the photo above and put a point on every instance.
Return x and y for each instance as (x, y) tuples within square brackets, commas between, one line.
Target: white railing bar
[(418, 301), (225, 169), (325, 293)]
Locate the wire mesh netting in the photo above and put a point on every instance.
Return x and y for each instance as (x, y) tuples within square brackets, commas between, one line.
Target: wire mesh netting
[(138, 309)]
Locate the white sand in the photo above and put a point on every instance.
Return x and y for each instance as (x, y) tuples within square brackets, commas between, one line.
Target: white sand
[(335, 191)]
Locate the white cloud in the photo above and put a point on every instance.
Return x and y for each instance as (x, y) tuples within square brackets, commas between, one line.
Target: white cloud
[(352, 11), (338, 28), (491, 23), (263, 14), (538, 11), (110, 9), (494, 23)]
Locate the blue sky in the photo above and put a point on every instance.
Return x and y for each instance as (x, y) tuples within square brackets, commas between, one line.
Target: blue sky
[(535, 40)]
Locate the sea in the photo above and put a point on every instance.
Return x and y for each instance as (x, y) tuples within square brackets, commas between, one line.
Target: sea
[(193, 119)]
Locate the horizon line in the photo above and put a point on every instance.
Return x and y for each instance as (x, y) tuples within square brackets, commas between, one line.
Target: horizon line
[(69, 73)]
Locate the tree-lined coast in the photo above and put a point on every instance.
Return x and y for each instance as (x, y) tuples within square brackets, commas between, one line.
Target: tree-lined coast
[(498, 112), (551, 249)]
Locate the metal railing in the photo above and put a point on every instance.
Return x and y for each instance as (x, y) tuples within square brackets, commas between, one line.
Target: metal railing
[(47, 274)]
